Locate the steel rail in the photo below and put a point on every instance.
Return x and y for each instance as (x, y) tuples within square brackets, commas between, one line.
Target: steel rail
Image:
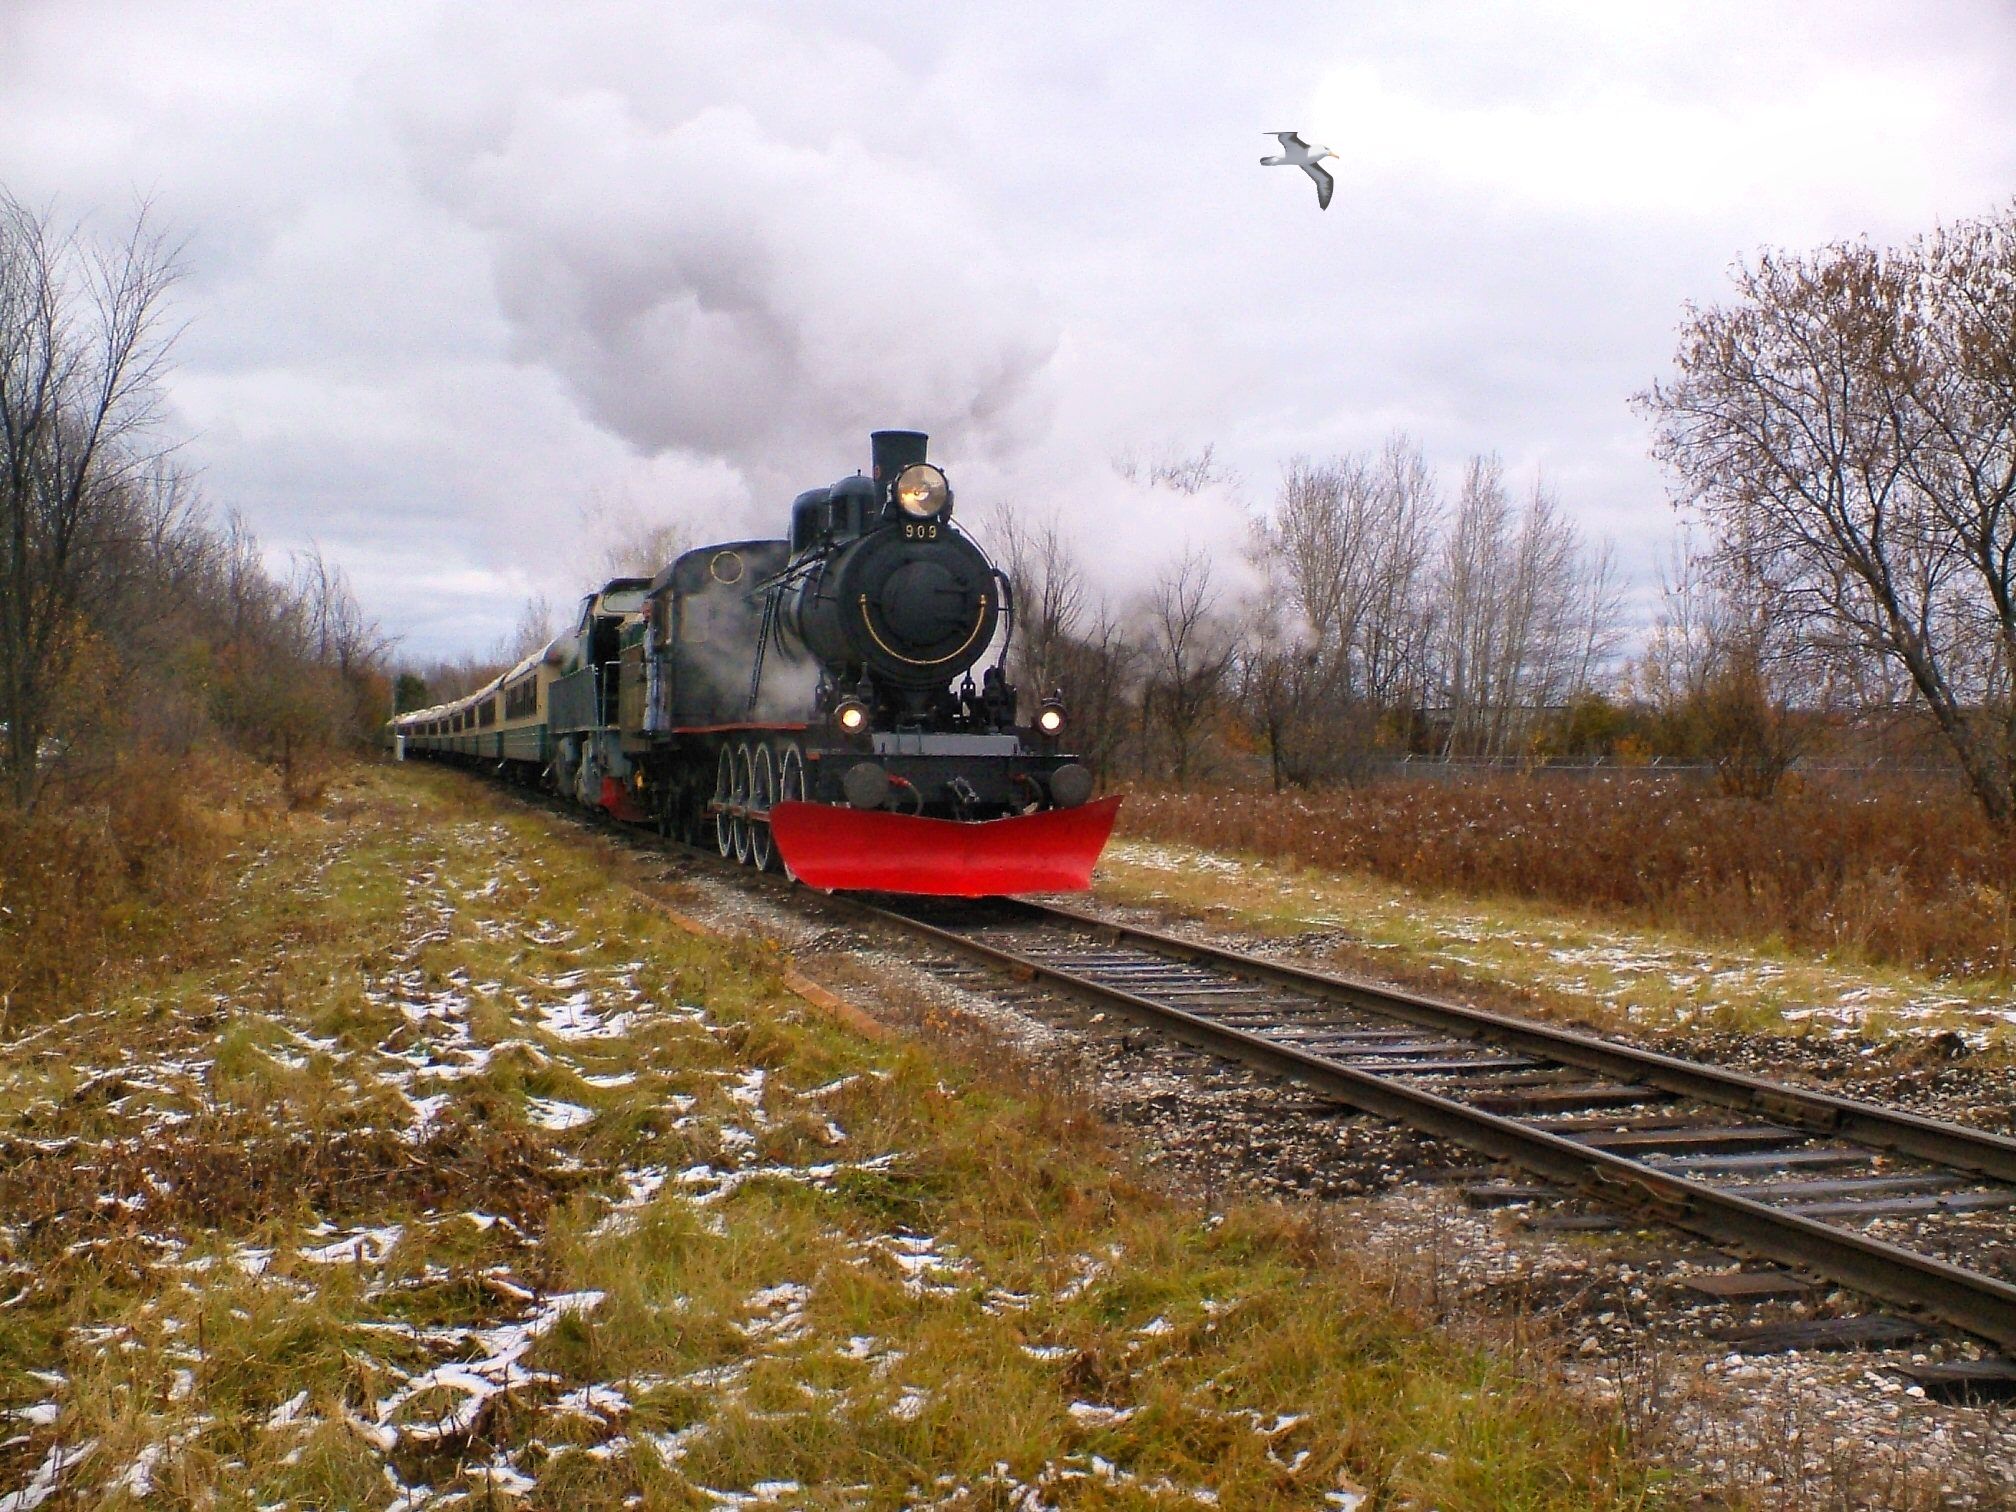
[(1992, 1155), (1968, 1300)]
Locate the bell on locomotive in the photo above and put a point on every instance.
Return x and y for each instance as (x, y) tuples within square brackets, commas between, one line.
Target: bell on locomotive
[(918, 778)]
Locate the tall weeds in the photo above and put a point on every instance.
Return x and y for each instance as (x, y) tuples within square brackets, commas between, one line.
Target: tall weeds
[(1895, 871), (91, 883)]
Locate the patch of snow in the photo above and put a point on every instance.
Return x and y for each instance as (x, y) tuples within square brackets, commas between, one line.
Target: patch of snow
[(926, 1271), (551, 1113), (781, 1313), (575, 1018), (42, 1484), (748, 1091), (476, 1381), (426, 1110), (830, 1087), (501, 1478), (288, 1412), (365, 1247), (594, 1401), (673, 1447), (138, 1479), (1098, 1415)]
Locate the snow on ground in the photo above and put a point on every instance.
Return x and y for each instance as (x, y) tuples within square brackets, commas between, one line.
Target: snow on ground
[(447, 1378)]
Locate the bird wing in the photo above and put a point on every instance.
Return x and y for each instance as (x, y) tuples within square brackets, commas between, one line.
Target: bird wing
[(1324, 184), (1289, 140)]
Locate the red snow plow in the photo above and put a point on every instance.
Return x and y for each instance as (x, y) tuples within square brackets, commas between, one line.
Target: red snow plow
[(876, 851)]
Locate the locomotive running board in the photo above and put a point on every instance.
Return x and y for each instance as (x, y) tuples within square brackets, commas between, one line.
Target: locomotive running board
[(844, 848)]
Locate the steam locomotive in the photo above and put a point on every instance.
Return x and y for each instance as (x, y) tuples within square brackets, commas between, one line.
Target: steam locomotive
[(805, 704)]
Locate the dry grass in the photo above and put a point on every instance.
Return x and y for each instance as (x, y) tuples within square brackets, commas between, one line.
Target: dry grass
[(99, 878), (1902, 873), (1548, 960), (437, 1168)]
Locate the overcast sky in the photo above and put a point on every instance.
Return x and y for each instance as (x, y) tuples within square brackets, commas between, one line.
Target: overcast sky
[(459, 272)]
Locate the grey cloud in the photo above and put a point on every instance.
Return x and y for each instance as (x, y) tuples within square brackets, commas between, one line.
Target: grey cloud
[(457, 268)]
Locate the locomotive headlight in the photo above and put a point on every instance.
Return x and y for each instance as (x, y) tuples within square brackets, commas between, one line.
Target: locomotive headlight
[(921, 491), (1050, 719), (851, 715)]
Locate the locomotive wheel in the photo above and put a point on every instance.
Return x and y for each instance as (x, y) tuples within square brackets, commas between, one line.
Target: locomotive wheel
[(762, 793), (741, 800), (790, 787), (724, 794)]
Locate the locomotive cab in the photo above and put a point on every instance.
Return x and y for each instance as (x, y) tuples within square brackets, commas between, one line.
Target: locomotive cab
[(827, 517)]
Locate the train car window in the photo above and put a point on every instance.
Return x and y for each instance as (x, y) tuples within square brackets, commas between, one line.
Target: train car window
[(725, 567)]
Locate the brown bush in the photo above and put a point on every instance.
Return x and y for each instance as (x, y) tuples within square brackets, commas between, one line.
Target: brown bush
[(1896, 870), (85, 881)]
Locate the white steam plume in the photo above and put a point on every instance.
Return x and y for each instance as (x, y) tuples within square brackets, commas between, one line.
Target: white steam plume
[(703, 287)]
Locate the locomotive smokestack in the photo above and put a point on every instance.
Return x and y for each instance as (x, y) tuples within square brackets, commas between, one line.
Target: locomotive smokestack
[(894, 450)]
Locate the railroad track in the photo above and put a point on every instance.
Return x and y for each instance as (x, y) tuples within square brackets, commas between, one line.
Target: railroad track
[(1778, 1172)]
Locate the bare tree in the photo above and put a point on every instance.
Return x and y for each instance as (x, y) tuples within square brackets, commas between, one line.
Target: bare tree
[(1471, 586), (1331, 654), (1067, 637), (1097, 668), (1277, 675), (1392, 625), (1525, 614), (82, 349), (1187, 648), (1050, 598), (1726, 683), (338, 633), (533, 632), (1847, 427), (1171, 468)]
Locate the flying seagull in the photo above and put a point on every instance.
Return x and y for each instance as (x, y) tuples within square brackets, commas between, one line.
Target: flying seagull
[(1299, 154)]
